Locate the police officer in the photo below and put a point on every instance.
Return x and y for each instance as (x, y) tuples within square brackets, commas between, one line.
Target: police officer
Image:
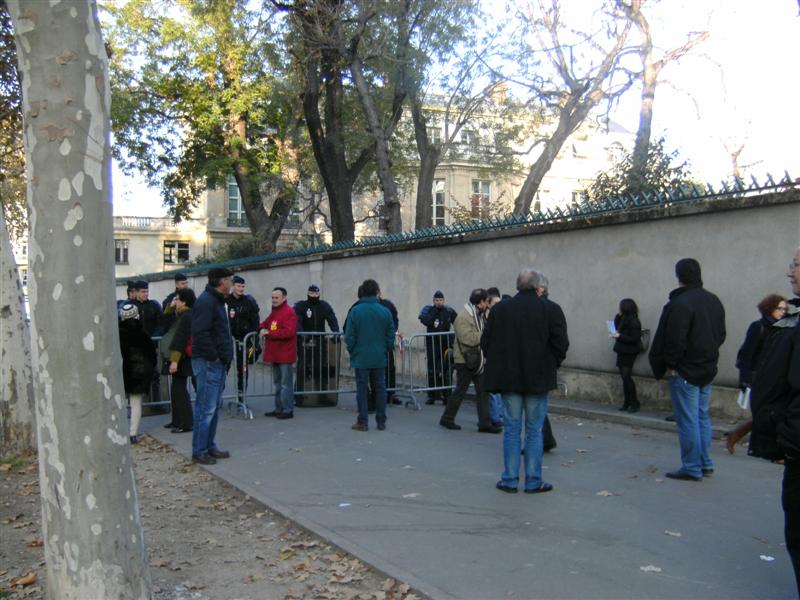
[(312, 351), (438, 318), (243, 313)]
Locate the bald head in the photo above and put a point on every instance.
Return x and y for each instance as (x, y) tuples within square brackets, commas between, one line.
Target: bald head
[(528, 280)]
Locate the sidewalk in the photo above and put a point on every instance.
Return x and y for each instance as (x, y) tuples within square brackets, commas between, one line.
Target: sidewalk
[(418, 502)]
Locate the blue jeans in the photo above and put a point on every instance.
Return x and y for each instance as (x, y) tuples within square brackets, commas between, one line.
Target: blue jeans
[(208, 401), (376, 378), (535, 406), (690, 404), (496, 408), (283, 378)]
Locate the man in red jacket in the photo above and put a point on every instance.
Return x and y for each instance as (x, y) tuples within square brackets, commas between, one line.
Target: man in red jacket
[(279, 331)]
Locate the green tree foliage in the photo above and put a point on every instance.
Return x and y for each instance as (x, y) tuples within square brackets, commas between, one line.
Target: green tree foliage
[(199, 96), (12, 153), (663, 171)]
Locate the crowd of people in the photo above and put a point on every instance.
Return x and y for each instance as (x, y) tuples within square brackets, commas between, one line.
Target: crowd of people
[(508, 348)]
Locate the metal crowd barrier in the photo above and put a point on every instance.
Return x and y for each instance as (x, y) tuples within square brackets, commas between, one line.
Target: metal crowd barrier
[(420, 364)]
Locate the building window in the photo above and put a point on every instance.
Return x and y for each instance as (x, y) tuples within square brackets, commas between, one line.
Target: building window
[(579, 196), (437, 212), (236, 215), (295, 217), (176, 252), (435, 135), (23, 276), (479, 201), (121, 252), (469, 137)]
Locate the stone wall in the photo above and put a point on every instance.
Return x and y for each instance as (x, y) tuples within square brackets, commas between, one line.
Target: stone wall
[(744, 245)]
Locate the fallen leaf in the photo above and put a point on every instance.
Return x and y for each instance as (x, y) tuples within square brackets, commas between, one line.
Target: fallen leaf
[(158, 563), (581, 451), (35, 543), (253, 578), (604, 493), (388, 585), (766, 558), (673, 533), (5, 467), (302, 565), (650, 569), (404, 588), (286, 554), (25, 580)]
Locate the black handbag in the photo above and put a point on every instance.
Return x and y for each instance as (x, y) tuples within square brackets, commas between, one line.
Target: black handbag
[(472, 357)]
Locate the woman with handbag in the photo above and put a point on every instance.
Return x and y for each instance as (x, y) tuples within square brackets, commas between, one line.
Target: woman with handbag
[(628, 346), (469, 364), (180, 361)]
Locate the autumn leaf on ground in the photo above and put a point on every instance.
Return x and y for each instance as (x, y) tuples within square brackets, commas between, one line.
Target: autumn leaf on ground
[(25, 580), (5, 467), (253, 578), (302, 565), (35, 543), (286, 554), (157, 563), (389, 584)]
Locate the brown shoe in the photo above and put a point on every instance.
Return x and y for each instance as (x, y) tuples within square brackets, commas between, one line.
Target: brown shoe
[(360, 427)]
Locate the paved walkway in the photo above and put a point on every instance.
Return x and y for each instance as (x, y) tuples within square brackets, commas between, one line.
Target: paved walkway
[(418, 503)]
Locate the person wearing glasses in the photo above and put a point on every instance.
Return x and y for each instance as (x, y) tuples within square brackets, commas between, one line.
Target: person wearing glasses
[(772, 309)]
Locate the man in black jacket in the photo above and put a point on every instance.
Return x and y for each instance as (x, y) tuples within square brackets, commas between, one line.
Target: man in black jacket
[(313, 368), (524, 341), (775, 404), (243, 312), (438, 318), (212, 353), (685, 349)]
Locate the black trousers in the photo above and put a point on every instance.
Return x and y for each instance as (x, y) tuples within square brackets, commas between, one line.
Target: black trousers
[(439, 373), (181, 405), (463, 378), (628, 386), (790, 498)]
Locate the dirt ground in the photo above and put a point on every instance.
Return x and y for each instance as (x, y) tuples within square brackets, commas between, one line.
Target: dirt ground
[(206, 540)]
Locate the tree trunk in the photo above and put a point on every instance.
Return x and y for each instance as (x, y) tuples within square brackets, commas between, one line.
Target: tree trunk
[(90, 515), (642, 144), (383, 161), (429, 156), (17, 416), (328, 142), (570, 117)]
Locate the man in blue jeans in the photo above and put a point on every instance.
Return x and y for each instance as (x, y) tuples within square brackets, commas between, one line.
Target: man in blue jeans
[(685, 349), (212, 353), (369, 336), (524, 342)]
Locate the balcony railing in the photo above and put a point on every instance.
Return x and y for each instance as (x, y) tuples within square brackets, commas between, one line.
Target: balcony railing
[(144, 223)]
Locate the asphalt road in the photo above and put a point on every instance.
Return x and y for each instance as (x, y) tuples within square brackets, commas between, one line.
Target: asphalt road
[(419, 503)]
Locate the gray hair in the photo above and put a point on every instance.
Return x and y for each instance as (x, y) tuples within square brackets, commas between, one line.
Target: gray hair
[(528, 279), (544, 283)]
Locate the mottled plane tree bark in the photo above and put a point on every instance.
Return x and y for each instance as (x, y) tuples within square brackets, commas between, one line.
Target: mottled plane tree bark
[(17, 421), (90, 517)]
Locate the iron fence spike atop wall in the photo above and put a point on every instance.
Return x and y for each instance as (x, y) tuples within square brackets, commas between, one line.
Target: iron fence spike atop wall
[(770, 181), (786, 179)]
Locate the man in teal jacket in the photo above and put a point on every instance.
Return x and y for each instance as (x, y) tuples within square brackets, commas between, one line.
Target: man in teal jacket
[(369, 337)]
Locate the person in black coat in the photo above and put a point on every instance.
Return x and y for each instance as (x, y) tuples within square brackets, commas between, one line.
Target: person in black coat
[(138, 363), (524, 342), (313, 363), (180, 362), (438, 318), (686, 350), (772, 309), (627, 345), (775, 405)]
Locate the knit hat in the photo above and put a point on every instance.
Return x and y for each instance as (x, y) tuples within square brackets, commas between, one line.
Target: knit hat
[(438, 294), (128, 311), (237, 279), (180, 277), (141, 285), (687, 270)]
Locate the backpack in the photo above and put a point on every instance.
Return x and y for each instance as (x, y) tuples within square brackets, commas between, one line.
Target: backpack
[(165, 342)]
